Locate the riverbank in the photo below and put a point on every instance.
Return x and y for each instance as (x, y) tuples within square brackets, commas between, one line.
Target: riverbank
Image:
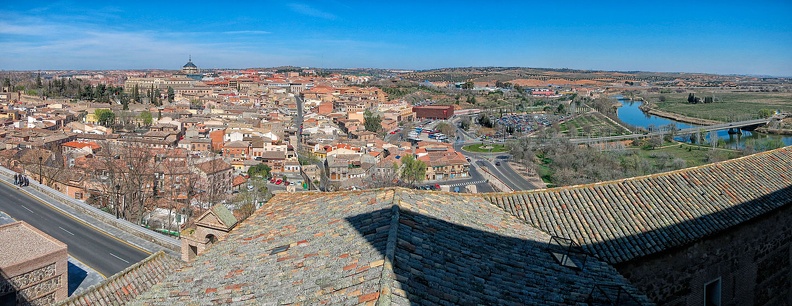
[(647, 107), (774, 131)]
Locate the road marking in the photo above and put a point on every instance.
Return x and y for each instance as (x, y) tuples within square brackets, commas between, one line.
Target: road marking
[(119, 258), (466, 183), (70, 216), (66, 230), (28, 209)]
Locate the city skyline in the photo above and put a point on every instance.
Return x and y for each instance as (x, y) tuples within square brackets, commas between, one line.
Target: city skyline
[(719, 38)]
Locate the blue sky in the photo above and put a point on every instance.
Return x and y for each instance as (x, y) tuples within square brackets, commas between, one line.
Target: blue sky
[(713, 37)]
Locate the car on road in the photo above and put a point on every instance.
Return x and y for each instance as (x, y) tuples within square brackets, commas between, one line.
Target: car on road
[(497, 163), (393, 132)]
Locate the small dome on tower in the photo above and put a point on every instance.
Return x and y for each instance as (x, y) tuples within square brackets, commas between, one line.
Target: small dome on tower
[(190, 68)]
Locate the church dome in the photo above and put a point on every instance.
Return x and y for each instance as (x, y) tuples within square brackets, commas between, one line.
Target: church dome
[(190, 68)]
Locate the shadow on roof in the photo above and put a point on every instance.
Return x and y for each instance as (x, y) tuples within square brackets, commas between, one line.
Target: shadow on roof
[(437, 262)]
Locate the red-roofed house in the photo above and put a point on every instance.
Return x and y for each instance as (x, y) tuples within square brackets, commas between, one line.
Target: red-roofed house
[(90, 147)]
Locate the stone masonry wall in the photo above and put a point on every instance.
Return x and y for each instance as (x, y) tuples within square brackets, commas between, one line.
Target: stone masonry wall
[(752, 261)]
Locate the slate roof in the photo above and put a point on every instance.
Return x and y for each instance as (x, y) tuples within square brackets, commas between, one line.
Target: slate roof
[(391, 246), (626, 219), (224, 215), (126, 285)]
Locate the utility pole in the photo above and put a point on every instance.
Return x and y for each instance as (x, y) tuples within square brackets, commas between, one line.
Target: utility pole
[(118, 193), (41, 181)]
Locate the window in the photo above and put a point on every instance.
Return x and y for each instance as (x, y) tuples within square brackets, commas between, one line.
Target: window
[(712, 293), (78, 195)]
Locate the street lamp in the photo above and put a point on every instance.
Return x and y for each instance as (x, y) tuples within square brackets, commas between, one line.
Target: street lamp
[(118, 192), (40, 180)]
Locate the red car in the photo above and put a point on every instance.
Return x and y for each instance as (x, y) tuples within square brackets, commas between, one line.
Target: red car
[(286, 183), (393, 132), (278, 182)]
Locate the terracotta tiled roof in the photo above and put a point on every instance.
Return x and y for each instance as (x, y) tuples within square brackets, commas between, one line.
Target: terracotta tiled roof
[(239, 180), (395, 246), (213, 166), (625, 219), (126, 285)]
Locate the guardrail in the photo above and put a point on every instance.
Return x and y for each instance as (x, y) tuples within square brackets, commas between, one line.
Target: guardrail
[(132, 228)]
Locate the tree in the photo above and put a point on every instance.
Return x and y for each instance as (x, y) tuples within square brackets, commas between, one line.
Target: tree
[(136, 94), (485, 121), (560, 109), (691, 98), (260, 170), (446, 128), (247, 201), (655, 142), (464, 123), (765, 113), (105, 117), (146, 117), (413, 171), (155, 97), (467, 85), (171, 94), (373, 123), (125, 101)]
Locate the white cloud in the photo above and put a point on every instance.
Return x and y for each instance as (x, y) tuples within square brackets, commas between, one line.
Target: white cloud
[(310, 11), (36, 43)]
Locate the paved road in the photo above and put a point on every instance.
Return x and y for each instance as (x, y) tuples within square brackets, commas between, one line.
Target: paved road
[(103, 253), (505, 172), (509, 177)]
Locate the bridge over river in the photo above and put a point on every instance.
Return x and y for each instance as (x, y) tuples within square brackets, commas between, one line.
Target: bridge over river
[(747, 125)]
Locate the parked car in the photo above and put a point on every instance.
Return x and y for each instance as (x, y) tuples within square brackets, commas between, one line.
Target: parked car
[(278, 182)]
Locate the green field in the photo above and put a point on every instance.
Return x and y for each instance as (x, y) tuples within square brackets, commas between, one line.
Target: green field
[(484, 148), (591, 124), (728, 106), (692, 155)]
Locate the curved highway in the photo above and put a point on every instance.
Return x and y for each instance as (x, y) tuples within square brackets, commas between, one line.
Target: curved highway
[(103, 253)]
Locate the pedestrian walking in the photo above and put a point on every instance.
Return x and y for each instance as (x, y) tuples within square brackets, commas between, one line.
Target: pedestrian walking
[(27, 182), (16, 178)]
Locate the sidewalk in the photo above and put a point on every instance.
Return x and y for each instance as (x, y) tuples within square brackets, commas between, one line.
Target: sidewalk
[(91, 216)]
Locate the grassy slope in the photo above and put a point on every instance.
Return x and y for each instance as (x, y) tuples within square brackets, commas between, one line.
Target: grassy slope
[(731, 106)]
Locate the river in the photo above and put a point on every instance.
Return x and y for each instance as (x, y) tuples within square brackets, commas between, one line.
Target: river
[(630, 113)]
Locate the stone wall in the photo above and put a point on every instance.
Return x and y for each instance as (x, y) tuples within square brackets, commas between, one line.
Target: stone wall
[(40, 286), (494, 181), (752, 261)]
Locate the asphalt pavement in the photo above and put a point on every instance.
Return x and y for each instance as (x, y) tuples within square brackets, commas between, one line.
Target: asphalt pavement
[(505, 172), (105, 254)]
